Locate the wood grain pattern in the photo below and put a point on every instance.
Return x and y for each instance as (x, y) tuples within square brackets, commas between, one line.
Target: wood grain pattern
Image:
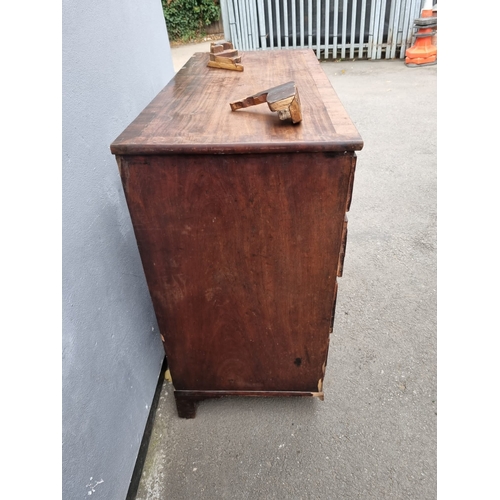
[(241, 255), (192, 114)]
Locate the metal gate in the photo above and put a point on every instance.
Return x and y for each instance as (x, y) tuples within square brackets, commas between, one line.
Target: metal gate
[(345, 29)]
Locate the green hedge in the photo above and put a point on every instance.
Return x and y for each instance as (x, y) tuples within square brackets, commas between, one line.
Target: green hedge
[(186, 18)]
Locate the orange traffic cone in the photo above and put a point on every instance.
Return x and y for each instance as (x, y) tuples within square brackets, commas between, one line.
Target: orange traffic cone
[(423, 52)]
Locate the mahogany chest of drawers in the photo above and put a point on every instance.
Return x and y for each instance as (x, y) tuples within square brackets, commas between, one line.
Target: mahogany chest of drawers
[(240, 221)]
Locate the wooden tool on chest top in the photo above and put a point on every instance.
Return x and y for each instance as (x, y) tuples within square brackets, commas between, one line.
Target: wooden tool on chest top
[(223, 55), (284, 99)]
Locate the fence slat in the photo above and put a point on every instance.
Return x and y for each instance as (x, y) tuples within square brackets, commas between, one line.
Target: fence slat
[(335, 28), (381, 29), (239, 21), (310, 22), (251, 23), (262, 24), (327, 28), (362, 29), (225, 19), (353, 28), (404, 34), (285, 24), (278, 24), (270, 20), (401, 29), (394, 27), (255, 25), (371, 27), (302, 22), (344, 29), (234, 24), (318, 28), (294, 23), (376, 26), (244, 15)]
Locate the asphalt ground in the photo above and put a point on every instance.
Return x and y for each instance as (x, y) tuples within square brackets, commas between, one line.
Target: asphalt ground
[(374, 436)]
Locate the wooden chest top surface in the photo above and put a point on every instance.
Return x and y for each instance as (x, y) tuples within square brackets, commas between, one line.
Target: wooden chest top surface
[(192, 113)]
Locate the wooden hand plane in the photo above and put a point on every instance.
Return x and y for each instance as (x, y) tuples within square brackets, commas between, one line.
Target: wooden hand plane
[(223, 55), (284, 99)]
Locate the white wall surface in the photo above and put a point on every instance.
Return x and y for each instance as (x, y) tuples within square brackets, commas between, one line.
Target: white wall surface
[(116, 58)]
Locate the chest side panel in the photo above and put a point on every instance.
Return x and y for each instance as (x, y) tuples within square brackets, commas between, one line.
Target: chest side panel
[(241, 256)]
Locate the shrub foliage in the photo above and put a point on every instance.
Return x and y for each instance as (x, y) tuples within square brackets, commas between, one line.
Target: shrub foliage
[(186, 18)]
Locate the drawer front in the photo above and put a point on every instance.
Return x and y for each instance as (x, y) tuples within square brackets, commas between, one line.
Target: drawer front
[(351, 182), (343, 244), (332, 320)]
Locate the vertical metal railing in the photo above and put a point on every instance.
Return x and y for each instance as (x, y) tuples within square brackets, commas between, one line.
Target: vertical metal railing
[(366, 29), (362, 22)]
